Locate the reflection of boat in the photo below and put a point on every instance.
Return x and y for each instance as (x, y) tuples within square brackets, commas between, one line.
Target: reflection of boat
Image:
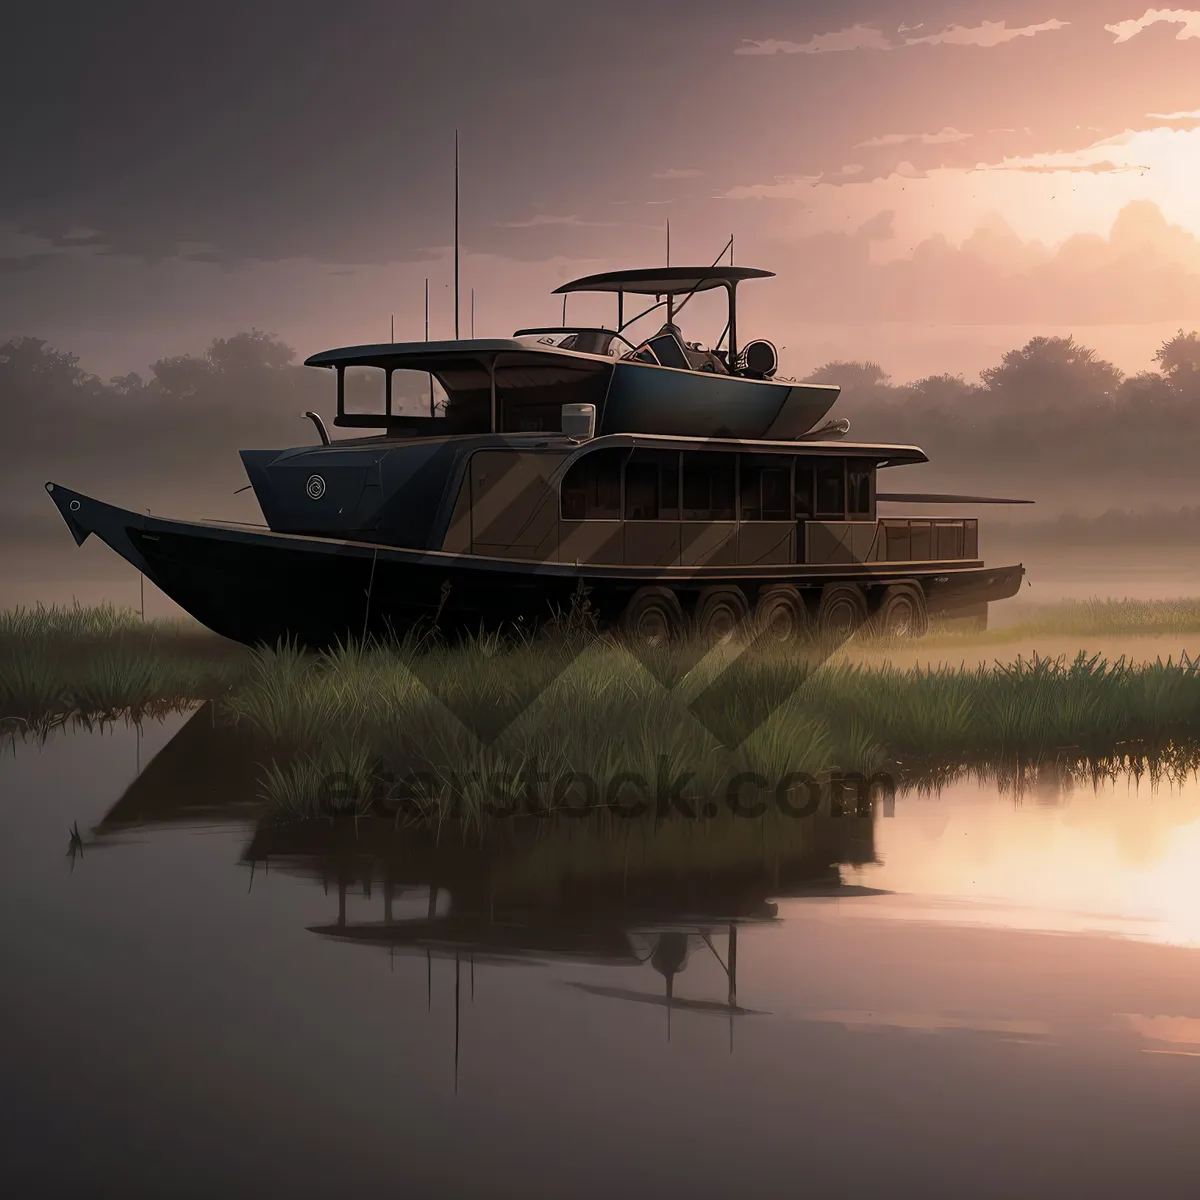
[(539, 890), (609, 894), (677, 484)]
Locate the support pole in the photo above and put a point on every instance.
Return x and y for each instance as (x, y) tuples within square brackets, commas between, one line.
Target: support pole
[(732, 326), (492, 382)]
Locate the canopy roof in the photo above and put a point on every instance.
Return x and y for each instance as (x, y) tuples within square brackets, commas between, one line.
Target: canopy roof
[(663, 281), (432, 356)]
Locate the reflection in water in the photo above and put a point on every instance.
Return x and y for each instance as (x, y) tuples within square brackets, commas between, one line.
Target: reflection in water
[(729, 1002), (597, 891)]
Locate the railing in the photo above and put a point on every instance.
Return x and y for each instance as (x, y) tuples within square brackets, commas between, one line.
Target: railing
[(891, 540), (905, 540)]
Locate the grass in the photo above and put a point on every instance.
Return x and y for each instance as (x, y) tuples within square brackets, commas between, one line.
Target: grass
[(1087, 618), (434, 733), (360, 728), (96, 664)]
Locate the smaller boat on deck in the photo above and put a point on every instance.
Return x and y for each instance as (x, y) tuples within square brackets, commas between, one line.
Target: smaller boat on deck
[(674, 486)]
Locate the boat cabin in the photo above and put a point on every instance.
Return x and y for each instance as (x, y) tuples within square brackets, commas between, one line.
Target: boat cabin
[(669, 502)]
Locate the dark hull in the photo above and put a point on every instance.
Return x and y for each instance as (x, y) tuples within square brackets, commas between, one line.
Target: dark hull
[(260, 587)]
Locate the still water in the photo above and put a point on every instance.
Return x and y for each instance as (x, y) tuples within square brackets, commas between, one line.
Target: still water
[(982, 994)]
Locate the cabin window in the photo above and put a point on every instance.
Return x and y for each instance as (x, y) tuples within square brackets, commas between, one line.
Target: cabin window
[(591, 489), (766, 484), (858, 489), (709, 486), (652, 486), (365, 390), (831, 488), (804, 488)]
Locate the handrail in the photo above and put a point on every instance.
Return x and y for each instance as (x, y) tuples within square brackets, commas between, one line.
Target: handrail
[(315, 418)]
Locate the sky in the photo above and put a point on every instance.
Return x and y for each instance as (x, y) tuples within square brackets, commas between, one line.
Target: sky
[(933, 181)]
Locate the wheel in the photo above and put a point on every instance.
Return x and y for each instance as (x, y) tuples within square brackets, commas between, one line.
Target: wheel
[(842, 610), (780, 615), (902, 612), (652, 616), (720, 613)]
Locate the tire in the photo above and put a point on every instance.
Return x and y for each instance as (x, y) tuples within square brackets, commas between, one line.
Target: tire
[(902, 612), (653, 616), (721, 612), (842, 610), (780, 615)]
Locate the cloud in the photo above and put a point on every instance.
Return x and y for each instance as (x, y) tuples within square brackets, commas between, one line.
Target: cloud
[(1097, 168), (678, 173), (867, 37), (856, 37), (539, 219), (943, 136), (1145, 270), (1193, 115), (987, 34), (781, 189), (1189, 18)]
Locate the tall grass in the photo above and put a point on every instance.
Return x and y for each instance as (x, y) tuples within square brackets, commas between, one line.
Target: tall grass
[(459, 728), (60, 663), (435, 732)]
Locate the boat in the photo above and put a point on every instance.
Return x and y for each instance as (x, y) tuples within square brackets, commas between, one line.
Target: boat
[(657, 484)]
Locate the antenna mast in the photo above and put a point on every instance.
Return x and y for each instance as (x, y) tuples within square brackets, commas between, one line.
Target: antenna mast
[(472, 314), (456, 306), (431, 412)]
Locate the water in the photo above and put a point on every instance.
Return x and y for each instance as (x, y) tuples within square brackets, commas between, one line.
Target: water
[(1000, 997)]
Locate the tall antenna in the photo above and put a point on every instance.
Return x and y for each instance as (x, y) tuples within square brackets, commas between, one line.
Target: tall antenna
[(392, 338), (564, 310), (431, 412), (456, 235), (472, 314), (668, 241)]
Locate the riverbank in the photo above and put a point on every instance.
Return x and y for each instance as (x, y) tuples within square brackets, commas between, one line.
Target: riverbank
[(461, 732)]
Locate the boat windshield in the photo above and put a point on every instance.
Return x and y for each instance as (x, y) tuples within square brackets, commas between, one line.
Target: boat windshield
[(586, 341)]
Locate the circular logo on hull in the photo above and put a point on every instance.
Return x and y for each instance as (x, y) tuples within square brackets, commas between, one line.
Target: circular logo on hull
[(315, 487)]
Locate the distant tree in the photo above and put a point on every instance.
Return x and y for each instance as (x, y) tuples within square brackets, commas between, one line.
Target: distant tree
[(182, 376), (1047, 371), (1144, 389), (246, 352), (851, 376), (1179, 360), (33, 361), (127, 385), (243, 356), (942, 391)]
